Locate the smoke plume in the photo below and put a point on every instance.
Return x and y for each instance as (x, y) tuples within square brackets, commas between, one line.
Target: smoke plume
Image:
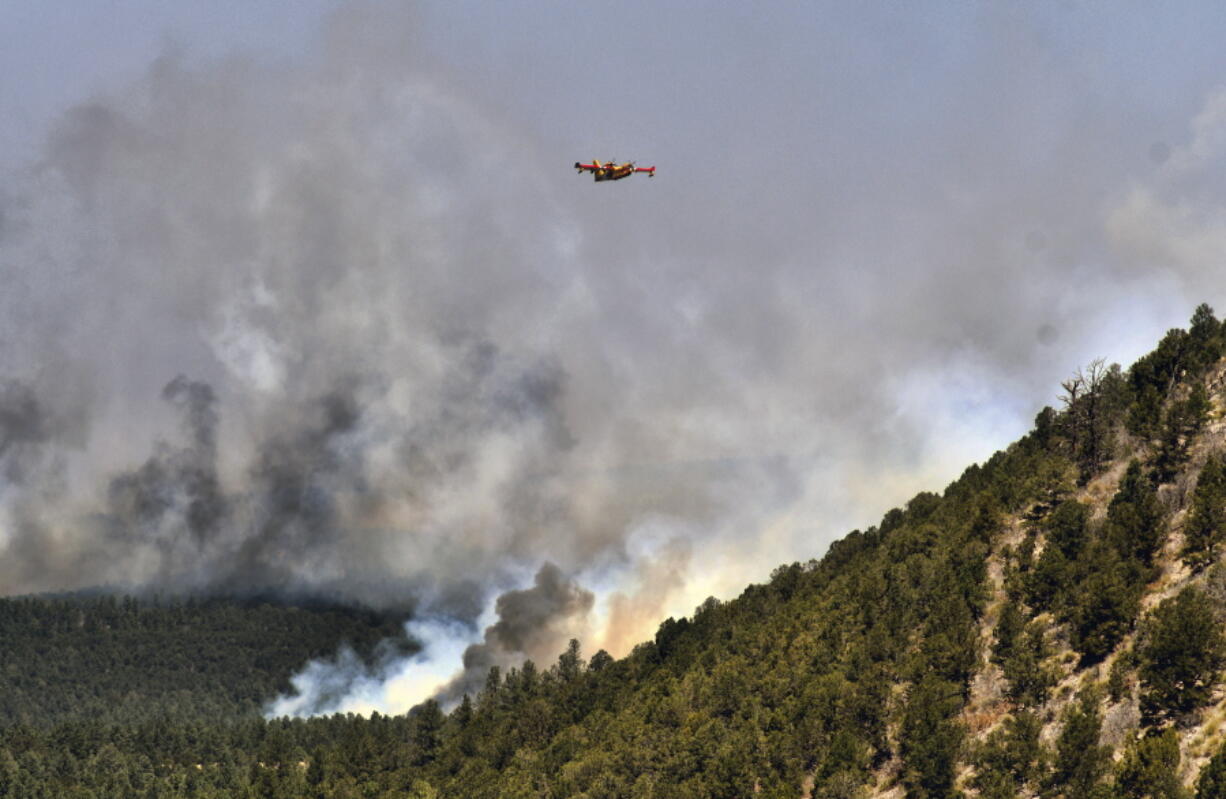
[(530, 623), (346, 325), (23, 428)]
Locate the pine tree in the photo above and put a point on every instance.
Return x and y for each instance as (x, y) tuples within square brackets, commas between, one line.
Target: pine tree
[(1134, 517), (1080, 763), (1093, 399), (1029, 678), (600, 661), (1066, 528), (1206, 523), (931, 738), (1145, 413), (1184, 419), (1048, 583), (1150, 769), (1204, 338), (570, 664), (1008, 627), (1104, 606), (1181, 655), (1010, 758), (1211, 784), (427, 732)]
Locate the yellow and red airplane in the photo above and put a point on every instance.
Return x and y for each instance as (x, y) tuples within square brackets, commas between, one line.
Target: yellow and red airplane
[(613, 171)]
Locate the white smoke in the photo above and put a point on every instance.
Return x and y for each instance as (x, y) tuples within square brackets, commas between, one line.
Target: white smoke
[(346, 683)]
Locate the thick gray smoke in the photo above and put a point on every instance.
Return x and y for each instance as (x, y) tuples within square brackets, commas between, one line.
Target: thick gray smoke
[(254, 537), (348, 325), (173, 499), (23, 427), (530, 622)]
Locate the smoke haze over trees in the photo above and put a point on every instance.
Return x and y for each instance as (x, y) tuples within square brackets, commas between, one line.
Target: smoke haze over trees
[(342, 323), (861, 674)]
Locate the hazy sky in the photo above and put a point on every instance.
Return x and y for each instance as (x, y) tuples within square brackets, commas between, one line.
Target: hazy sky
[(306, 297)]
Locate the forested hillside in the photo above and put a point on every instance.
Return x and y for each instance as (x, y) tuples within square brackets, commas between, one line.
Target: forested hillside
[(1051, 624), (123, 660)]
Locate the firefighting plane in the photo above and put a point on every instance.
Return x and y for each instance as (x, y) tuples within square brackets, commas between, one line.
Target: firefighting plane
[(613, 171)]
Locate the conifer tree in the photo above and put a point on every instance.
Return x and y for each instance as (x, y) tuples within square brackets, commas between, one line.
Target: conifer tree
[(1029, 678), (427, 732), (1080, 762), (1145, 413), (1134, 517), (1047, 584), (1093, 399), (1066, 527), (570, 664), (1008, 627), (1150, 769), (1105, 605), (931, 738), (1184, 419), (1204, 338), (1152, 378), (600, 661), (1206, 522), (1181, 655), (1211, 784), (1010, 758)]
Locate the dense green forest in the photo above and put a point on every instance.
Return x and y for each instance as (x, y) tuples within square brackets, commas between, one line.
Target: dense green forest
[(1048, 625), (122, 659)]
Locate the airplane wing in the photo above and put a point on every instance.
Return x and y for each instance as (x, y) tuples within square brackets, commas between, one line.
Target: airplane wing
[(611, 170)]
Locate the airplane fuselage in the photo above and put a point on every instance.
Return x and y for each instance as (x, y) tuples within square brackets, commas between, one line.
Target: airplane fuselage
[(611, 171)]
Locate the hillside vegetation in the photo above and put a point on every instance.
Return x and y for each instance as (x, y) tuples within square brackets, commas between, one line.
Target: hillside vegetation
[(1049, 625), (122, 660)]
